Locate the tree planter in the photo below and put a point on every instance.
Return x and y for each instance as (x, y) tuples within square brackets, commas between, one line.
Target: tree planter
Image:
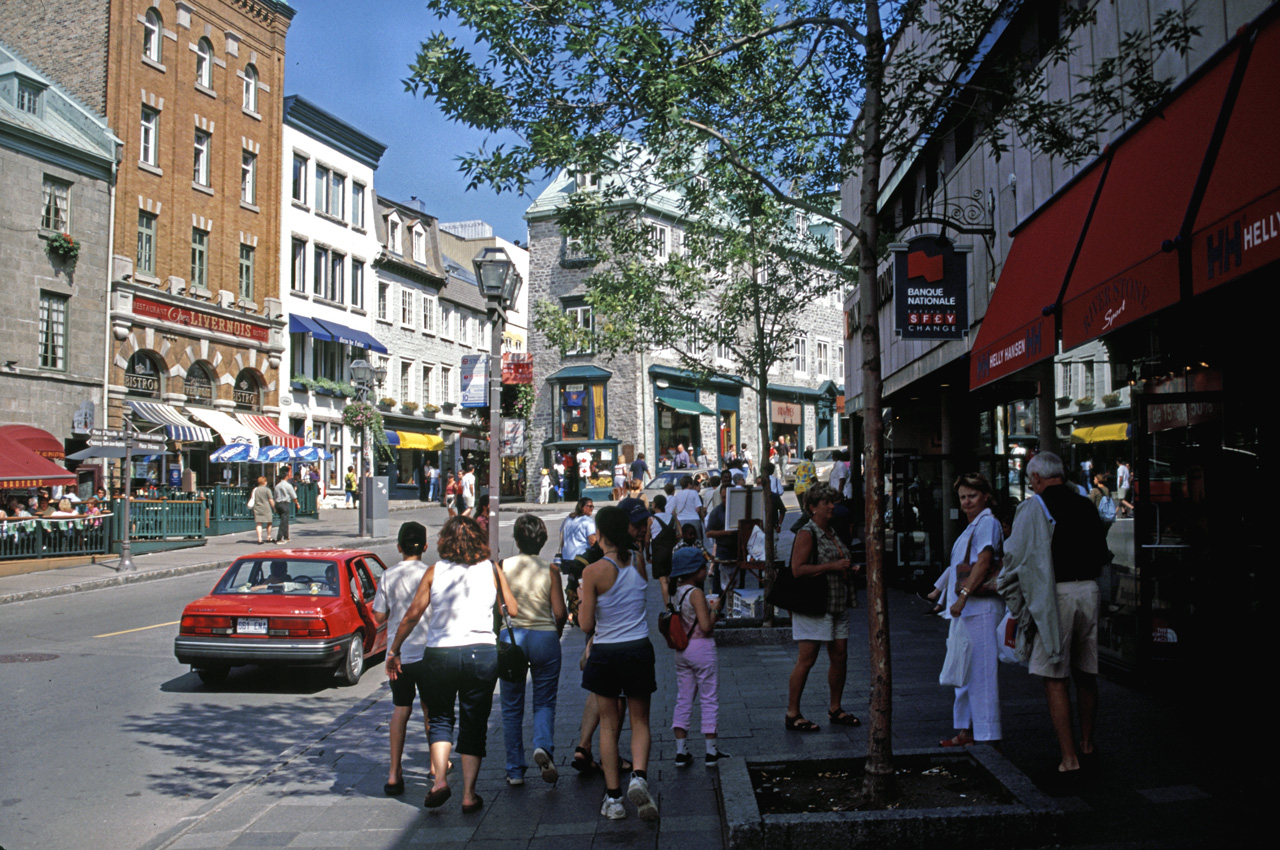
[(1015, 814)]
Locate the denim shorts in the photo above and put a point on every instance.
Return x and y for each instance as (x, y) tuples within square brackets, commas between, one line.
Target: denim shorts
[(466, 674), (412, 680), (620, 669)]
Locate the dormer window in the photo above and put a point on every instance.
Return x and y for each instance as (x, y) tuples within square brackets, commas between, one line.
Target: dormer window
[(393, 235), (419, 246), (28, 98)]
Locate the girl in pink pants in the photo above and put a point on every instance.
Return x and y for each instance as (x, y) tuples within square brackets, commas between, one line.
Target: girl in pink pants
[(696, 665)]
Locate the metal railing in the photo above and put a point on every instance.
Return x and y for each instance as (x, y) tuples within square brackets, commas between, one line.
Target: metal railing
[(166, 519), (24, 538)]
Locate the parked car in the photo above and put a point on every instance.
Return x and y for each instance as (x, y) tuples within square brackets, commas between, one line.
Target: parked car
[(290, 607), (823, 460), (674, 475)]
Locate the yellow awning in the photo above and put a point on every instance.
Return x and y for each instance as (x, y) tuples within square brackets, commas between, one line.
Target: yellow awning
[(1116, 431), (427, 442)]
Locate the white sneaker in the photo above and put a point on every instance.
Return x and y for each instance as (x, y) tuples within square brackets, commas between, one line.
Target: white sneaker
[(638, 793), (544, 762), (612, 808)]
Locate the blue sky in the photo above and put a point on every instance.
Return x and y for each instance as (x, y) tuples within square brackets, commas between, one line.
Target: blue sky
[(349, 57)]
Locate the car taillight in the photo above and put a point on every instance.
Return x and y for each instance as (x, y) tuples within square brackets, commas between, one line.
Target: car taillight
[(193, 625), (297, 627)]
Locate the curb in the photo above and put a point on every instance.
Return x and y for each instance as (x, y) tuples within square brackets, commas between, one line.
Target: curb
[(235, 792), (149, 575)]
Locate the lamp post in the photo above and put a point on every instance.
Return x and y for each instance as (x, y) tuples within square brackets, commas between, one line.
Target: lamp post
[(363, 377), (499, 281)]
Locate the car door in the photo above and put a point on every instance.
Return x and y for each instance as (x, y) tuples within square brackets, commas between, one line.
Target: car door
[(363, 589)]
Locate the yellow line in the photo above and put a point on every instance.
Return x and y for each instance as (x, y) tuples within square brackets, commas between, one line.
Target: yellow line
[(142, 629)]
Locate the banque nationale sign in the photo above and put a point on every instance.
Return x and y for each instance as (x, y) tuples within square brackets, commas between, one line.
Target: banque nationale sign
[(930, 289)]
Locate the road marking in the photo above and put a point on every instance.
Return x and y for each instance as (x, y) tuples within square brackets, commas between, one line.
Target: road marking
[(142, 629)]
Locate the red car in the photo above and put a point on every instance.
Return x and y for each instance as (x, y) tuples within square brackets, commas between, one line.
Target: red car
[(294, 607)]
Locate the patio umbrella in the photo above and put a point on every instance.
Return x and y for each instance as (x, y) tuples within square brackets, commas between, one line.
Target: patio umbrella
[(312, 454), (234, 453), (275, 454)]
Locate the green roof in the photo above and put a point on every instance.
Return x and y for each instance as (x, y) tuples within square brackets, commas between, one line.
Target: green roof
[(572, 373)]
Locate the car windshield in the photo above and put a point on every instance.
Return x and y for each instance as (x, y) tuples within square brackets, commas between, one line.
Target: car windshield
[(281, 576), (822, 455)]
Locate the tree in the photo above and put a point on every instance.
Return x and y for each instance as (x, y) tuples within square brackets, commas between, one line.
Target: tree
[(794, 96)]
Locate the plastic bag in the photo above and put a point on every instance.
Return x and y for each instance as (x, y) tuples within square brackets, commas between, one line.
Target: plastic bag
[(1007, 639), (955, 669)]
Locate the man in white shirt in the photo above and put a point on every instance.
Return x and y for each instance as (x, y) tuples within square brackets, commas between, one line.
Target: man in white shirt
[(395, 593), (745, 457), (468, 491), (686, 506), (839, 473)]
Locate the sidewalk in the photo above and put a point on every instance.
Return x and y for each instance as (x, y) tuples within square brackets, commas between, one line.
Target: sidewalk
[(327, 791)]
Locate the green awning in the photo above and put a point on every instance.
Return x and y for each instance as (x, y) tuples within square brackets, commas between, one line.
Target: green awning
[(680, 405)]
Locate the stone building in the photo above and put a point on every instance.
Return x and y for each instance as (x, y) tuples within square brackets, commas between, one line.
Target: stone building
[(194, 89), (650, 403), (57, 159), (326, 261), (429, 314)]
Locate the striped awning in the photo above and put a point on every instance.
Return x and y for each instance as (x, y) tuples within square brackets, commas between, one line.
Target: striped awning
[(177, 426), (263, 425), (230, 430)]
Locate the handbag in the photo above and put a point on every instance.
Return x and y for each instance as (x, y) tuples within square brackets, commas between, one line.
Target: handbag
[(955, 668), (513, 664), (964, 569), (671, 626), (805, 595)]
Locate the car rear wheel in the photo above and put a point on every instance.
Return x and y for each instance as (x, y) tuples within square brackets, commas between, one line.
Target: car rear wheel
[(353, 663), (213, 675)]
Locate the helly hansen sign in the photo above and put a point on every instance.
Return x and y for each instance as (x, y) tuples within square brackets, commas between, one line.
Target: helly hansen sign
[(931, 289)]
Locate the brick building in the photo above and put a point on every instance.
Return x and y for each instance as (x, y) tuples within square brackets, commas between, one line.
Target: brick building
[(57, 158)]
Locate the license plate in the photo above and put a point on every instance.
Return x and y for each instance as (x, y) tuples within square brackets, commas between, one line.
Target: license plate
[(251, 626)]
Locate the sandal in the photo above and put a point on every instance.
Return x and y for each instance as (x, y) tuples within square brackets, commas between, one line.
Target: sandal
[(963, 739), (583, 763), (799, 724), (437, 798), (840, 717)]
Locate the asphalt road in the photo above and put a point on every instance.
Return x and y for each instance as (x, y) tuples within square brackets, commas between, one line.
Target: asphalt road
[(109, 741)]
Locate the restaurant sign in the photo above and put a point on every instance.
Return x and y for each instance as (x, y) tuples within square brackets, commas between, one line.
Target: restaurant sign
[(930, 285), (785, 412), (199, 320)]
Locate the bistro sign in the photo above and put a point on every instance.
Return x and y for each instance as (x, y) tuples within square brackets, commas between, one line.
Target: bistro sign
[(930, 285), (199, 320)]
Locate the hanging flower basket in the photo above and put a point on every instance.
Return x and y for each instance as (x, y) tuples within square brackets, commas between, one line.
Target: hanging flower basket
[(360, 415), (64, 247)]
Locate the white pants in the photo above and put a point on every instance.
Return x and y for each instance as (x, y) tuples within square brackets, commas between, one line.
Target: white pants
[(978, 702)]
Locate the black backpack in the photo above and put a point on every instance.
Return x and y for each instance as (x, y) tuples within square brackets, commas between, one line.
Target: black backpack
[(661, 547)]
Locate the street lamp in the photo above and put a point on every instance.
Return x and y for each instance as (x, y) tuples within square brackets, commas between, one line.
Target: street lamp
[(499, 281), (364, 377)]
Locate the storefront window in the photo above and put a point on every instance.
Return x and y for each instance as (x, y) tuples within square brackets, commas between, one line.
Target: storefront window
[(198, 385), (582, 411), (143, 377), (247, 393)]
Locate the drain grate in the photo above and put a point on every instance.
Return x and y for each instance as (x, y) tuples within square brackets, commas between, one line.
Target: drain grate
[(26, 657)]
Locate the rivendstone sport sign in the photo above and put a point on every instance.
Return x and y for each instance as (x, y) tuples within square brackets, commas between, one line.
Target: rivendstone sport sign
[(930, 285)]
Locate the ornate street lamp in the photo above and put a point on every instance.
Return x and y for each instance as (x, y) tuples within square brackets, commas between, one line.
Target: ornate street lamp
[(499, 281)]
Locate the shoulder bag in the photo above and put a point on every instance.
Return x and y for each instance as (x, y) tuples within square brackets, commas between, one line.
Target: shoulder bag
[(963, 570), (805, 595), (513, 664)]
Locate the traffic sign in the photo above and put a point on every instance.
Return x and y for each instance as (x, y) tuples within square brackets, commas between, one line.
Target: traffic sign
[(109, 433)]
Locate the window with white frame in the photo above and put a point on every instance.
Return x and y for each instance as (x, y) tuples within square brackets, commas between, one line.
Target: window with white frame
[(446, 385), (322, 188), (53, 331), (337, 194), (200, 171), (299, 186), (586, 181), (822, 350), (800, 356), (28, 98), (246, 272), (357, 204), (659, 240), (357, 282), (446, 321), (320, 272), (430, 313), (146, 257), (327, 358), (249, 98), (580, 317), (199, 258), (149, 145), (429, 393), (336, 264), (406, 381), (55, 213), (384, 299), (248, 177), (152, 35), (406, 305), (464, 328), (419, 245), (298, 268), (204, 63), (724, 342), (393, 236), (840, 363)]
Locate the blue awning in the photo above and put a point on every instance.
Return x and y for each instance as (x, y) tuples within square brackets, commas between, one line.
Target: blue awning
[(393, 439), (304, 325), (351, 336), (175, 425)]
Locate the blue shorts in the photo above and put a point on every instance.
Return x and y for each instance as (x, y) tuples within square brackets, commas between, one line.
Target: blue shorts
[(412, 680), (620, 669)]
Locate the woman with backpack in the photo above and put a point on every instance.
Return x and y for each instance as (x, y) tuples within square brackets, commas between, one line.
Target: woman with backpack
[(665, 533), (696, 666)]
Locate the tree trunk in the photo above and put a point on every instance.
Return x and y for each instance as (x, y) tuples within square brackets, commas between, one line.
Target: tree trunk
[(762, 401), (879, 784)]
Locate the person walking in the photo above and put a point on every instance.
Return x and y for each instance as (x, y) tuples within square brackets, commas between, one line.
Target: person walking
[(460, 660), (468, 491), (696, 666), (976, 558), (395, 593), (818, 551), (285, 494), (451, 490), (621, 662), (1057, 550), (349, 488), (539, 595), (263, 504), (686, 506), (640, 469), (578, 531)]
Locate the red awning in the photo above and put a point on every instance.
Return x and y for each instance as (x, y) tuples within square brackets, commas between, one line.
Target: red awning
[(1123, 272), (264, 426), (1015, 332), (38, 440), (1237, 228), (20, 467)]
